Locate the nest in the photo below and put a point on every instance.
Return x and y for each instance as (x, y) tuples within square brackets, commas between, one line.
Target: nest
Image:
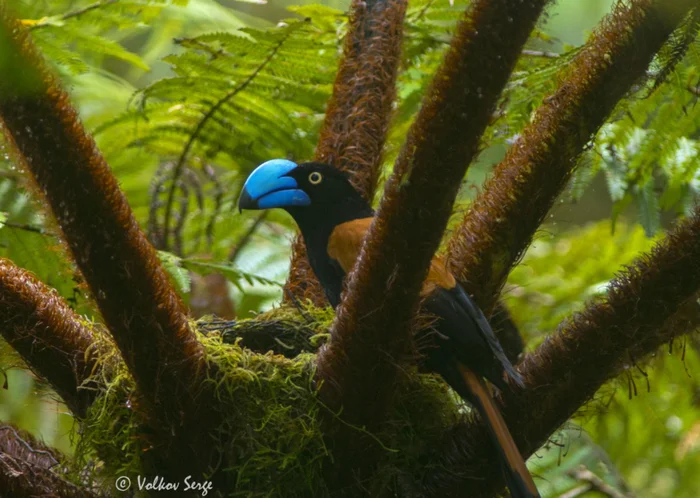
[(272, 435)]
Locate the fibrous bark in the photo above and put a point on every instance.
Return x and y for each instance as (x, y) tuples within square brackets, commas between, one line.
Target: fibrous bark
[(516, 198), (358, 114), (371, 330), (371, 336), (140, 307), (28, 468), (49, 336), (639, 314)]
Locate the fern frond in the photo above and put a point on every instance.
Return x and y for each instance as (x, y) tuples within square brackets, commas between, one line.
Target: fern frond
[(178, 269), (637, 150), (89, 30), (648, 151), (246, 95), (25, 241)]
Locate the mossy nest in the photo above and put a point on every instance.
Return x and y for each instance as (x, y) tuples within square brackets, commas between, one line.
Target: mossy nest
[(272, 426)]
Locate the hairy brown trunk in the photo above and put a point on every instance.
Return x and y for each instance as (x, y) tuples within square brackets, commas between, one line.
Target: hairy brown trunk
[(357, 116), (140, 307), (501, 222), (371, 338), (639, 313)]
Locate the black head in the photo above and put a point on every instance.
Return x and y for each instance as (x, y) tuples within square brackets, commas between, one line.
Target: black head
[(308, 191), (324, 184), (319, 198)]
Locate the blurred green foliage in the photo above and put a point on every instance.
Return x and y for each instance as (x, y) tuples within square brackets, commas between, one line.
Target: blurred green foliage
[(562, 270), (214, 88), (638, 434)]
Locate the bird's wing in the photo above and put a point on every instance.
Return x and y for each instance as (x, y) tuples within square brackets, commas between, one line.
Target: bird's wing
[(473, 340), (466, 326)]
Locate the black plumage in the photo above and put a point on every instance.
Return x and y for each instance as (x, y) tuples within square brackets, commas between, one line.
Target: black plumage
[(334, 218)]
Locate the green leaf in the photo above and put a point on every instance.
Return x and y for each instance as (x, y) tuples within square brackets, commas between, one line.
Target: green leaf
[(180, 276), (648, 209), (204, 267)]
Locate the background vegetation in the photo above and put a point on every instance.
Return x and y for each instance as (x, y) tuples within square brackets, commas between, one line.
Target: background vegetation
[(145, 75)]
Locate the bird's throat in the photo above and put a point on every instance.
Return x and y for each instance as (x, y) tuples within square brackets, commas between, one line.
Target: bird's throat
[(316, 225)]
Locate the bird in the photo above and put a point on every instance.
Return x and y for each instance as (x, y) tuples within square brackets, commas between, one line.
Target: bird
[(333, 218)]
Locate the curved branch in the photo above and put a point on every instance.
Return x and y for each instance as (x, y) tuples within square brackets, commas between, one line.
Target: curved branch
[(371, 335), (359, 111), (640, 313), (358, 114), (50, 337), (501, 222), (26, 468), (140, 307)]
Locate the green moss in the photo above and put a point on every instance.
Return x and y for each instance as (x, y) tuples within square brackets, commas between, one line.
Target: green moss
[(112, 427), (271, 437)]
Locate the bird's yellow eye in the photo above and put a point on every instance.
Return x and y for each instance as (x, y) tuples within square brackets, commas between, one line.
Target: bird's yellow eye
[(315, 178)]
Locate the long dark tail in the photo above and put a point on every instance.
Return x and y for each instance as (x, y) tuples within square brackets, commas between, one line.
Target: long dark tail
[(517, 476)]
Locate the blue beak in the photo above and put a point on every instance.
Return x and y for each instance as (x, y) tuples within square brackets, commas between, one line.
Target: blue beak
[(269, 187)]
